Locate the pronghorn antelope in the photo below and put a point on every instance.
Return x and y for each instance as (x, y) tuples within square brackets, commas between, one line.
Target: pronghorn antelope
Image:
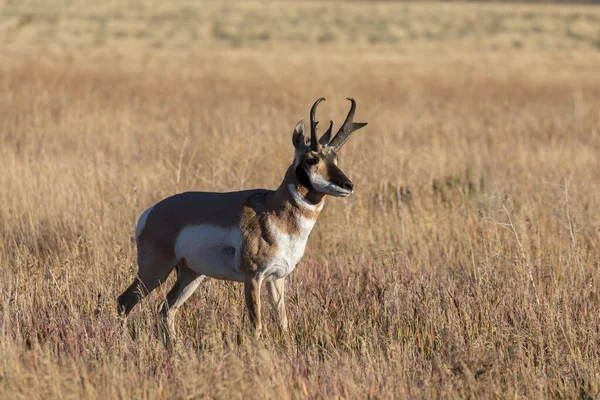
[(252, 236)]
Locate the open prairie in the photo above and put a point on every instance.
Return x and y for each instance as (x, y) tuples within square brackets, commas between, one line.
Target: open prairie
[(466, 264)]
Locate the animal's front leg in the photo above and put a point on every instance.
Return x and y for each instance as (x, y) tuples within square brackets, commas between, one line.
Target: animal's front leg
[(276, 292), (252, 286)]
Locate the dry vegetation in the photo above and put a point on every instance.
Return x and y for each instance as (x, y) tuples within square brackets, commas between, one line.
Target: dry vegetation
[(116, 28), (466, 264)]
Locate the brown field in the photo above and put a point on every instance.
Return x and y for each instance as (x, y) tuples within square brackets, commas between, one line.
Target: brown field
[(466, 265)]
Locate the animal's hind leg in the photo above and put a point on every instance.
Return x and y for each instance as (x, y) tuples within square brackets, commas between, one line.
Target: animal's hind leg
[(129, 298), (152, 273), (187, 282)]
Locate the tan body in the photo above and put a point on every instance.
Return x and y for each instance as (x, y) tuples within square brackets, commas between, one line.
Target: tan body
[(254, 236)]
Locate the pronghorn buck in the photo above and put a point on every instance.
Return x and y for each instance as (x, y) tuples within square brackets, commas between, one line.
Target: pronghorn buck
[(252, 236)]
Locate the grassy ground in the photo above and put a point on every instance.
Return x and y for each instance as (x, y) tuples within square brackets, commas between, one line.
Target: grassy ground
[(465, 265), (117, 29)]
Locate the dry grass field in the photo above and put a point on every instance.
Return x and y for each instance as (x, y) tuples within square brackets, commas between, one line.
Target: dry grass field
[(466, 264)]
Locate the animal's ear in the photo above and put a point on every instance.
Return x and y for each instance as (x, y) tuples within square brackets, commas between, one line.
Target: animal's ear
[(298, 138)]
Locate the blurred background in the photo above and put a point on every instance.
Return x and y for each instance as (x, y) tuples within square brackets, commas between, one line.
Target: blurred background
[(465, 264), (191, 30)]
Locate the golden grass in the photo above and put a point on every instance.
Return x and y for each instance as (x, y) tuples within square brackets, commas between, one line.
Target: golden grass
[(117, 29), (465, 265)]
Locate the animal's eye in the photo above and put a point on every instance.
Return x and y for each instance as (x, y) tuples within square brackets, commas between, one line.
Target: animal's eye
[(311, 161)]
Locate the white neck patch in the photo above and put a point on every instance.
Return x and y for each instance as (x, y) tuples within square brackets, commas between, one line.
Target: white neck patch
[(301, 201)]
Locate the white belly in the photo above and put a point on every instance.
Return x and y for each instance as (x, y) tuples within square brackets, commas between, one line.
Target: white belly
[(211, 250)]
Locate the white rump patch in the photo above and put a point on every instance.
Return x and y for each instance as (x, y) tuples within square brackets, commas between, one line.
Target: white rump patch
[(211, 250), (142, 223)]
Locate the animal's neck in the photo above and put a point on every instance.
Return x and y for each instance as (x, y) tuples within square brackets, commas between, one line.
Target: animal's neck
[(296, 198)]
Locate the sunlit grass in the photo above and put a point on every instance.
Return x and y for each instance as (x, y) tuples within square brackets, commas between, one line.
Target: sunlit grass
[(465, 264)]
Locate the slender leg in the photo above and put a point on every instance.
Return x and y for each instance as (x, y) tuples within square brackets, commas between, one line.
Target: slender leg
[(187, 282), (252, 293), (153, 270), (129, 298), (276, 291), (142, 285)]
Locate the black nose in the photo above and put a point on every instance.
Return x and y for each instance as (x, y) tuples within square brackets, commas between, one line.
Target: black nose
[(348, 185)]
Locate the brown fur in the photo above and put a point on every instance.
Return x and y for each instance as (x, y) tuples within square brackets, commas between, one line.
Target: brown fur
[(276, 207), (254, 212), (171, 215), (257, 210)]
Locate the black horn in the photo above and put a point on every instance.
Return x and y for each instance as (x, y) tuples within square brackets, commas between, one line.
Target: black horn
[(314, 144), (347, 128)]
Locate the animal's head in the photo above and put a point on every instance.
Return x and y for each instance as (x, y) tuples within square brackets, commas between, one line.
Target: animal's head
[(316, 160)]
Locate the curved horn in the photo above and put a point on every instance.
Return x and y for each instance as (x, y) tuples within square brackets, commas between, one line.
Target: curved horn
[(347, 128), (314, 144)]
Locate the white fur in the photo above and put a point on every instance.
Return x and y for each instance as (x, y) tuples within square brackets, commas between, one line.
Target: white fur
[(290, 249), (324, 186), (142, 223), (211, 250), (301, 201)]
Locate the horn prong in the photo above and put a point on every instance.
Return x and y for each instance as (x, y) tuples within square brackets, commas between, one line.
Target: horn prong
[(347, 128)]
